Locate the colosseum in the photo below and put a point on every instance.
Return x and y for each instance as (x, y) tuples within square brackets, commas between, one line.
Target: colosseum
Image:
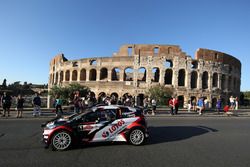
[(135, 68)]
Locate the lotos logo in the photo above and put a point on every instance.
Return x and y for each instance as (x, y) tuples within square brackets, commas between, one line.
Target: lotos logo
[(114, 128), (105, 134)]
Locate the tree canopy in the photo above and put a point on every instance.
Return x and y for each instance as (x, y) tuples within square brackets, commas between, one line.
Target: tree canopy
[(160, 93)]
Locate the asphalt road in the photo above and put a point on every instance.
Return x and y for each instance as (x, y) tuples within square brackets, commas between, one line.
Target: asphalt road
[(175, 142)]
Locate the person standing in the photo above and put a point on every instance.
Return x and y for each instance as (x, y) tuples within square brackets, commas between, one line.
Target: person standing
[(76, 102), (153, 103), (58, 105), (173, 102), (6, 102), (231, 100), (189, 105), (37, 105), (19, 106), (236, 103)]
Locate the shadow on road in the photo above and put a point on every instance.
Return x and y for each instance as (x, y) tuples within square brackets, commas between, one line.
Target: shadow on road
[(176, 133)]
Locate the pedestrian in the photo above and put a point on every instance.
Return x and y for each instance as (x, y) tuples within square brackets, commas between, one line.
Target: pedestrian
[(200, 105), (189, 105), (37, 105), (145, 105), (76, 102), (19, 106), (153, 103), (173, 103), (194, 104), (231, 100), (236, 103), (218, 105), (58, 105), (6, 102)]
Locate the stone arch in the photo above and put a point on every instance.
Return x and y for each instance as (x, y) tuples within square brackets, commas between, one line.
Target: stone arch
[(128, 74), (56, 78), (93, 62), (214, 101), (103, 73), (83, 75), (215, 80), (115, 76), (92, 75), (168, 77), (61, 76), (194, 64), (205, 80), (168, 63), (181, 77), (156, 74), (181, 101), (223, 81), (194, 77), (229, 83), (142, 73), (67, 75), (74, 75)]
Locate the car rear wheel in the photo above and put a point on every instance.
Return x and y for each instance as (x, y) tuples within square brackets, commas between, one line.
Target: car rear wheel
[(136, 137), (61, 141)]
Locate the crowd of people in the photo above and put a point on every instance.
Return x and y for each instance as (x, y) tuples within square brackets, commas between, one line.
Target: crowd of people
[(81, 103)]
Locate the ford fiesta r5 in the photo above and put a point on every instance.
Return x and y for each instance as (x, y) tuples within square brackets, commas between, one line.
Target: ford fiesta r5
[(99, 124)]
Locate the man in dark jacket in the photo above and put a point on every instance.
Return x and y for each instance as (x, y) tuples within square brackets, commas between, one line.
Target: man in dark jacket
[(6, 102), (37, 105)]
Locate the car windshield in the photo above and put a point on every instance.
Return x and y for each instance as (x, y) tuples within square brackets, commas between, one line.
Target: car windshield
[(77, 116)]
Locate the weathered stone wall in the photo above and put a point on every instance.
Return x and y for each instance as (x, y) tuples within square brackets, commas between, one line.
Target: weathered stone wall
[(135, 68)]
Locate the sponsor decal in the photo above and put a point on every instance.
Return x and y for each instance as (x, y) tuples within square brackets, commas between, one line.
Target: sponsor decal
[(113, 129), (85, 127)]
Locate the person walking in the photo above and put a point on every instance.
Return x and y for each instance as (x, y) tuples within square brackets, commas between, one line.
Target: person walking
[(173, 103), (236, 103), (6, 102), (189, 105), (58, 105), (37, 105), (218, 105), (200, 105), (19, 106)]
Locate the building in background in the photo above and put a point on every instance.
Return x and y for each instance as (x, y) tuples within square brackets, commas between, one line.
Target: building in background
[(135, 68)]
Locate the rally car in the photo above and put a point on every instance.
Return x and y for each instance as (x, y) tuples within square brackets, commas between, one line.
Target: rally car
[(98, 124)]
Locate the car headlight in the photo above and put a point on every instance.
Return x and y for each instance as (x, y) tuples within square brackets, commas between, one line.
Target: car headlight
[(51, 125)]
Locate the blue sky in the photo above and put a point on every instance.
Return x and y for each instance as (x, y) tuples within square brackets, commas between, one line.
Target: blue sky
[(32, 32)]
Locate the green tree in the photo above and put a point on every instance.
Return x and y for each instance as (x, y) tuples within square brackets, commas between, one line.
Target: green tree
[(160, 93), (67, 92)]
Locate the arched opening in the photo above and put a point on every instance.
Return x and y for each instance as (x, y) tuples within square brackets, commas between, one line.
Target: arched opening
[(194, 77), (156, 51), (67, 75), (214, 101), (156, 74), (229, 83), (215, 80), (128, 74), (168, 77), (101, 98), (104, 74), (74, 75), (115, 76), (223, 79), (83, 75), (205, 80), (61, 76), (92, 75), (168, 64), (93, 62), (140, 99), (181, 101), (194, 65), (142, 72), (181, 77), (56, 78)]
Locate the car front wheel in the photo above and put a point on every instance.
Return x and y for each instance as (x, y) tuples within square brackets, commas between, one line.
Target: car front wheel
[(61, 141), (136, 137)]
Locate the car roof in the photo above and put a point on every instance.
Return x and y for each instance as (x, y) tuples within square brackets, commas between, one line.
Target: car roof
[(114, 107)]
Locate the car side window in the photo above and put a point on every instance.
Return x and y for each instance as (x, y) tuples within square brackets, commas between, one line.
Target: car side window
[(90, 117)]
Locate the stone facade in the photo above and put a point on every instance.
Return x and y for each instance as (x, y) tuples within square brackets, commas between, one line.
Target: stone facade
[(135, 68)]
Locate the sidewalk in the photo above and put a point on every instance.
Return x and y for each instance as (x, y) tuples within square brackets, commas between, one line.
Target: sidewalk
[(161, 112)]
